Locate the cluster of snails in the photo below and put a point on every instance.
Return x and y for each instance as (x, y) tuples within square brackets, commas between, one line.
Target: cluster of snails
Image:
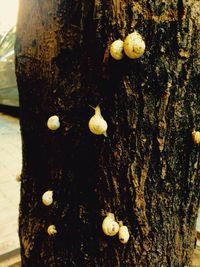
[(53, 123), (97, 124), (110, 227), (133, 46), (47, 199)]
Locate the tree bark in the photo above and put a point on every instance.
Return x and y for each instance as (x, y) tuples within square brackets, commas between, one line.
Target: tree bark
[(146, 171)]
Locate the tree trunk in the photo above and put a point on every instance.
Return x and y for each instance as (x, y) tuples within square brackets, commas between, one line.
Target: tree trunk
[(146, 170)]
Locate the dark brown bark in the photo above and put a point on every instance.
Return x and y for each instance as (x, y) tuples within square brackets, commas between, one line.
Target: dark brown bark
[(147, 170)]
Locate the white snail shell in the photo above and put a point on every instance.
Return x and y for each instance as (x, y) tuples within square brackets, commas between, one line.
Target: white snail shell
[(52, 230), (134, 45), (116, 49), (18, 177), (123, 234), (110, 227), (53, 123), (97, 124), (196, 137), (47, 198)]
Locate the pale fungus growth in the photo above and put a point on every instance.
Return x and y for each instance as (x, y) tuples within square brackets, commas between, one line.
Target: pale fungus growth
[(47, 198), (53, 123), (116, 49), (97, 124), (52, 230), (134, 45), (196, 137), (109, 226), (123, 234)]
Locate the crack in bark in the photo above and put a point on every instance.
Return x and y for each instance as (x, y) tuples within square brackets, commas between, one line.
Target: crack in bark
[(162, 125), (132, 97), (139, 186), (119, 15)]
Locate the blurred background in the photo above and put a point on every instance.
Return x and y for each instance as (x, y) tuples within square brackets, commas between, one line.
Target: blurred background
[(8, 14), (10, 139)]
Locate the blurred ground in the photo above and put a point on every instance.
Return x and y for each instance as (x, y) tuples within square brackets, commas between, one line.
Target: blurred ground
[(10, 166)]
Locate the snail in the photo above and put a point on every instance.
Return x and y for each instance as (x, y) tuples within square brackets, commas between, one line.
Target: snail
[(18, 177), (134, 45), (196, 137), (109, 226), (47, 198), (116, 49), (97, 124), (123, 234), (53, 123), (52, 230)]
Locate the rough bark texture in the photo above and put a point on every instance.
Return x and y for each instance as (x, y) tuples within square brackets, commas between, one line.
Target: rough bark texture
[(147, 170)]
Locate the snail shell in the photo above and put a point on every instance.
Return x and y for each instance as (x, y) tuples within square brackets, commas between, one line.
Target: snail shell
[(134, 45), (110, 227), (196, 137), (97, 124), (47, 198), (18, 177), (52, 230), (116, 49), (53, 123), (123, 234)]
